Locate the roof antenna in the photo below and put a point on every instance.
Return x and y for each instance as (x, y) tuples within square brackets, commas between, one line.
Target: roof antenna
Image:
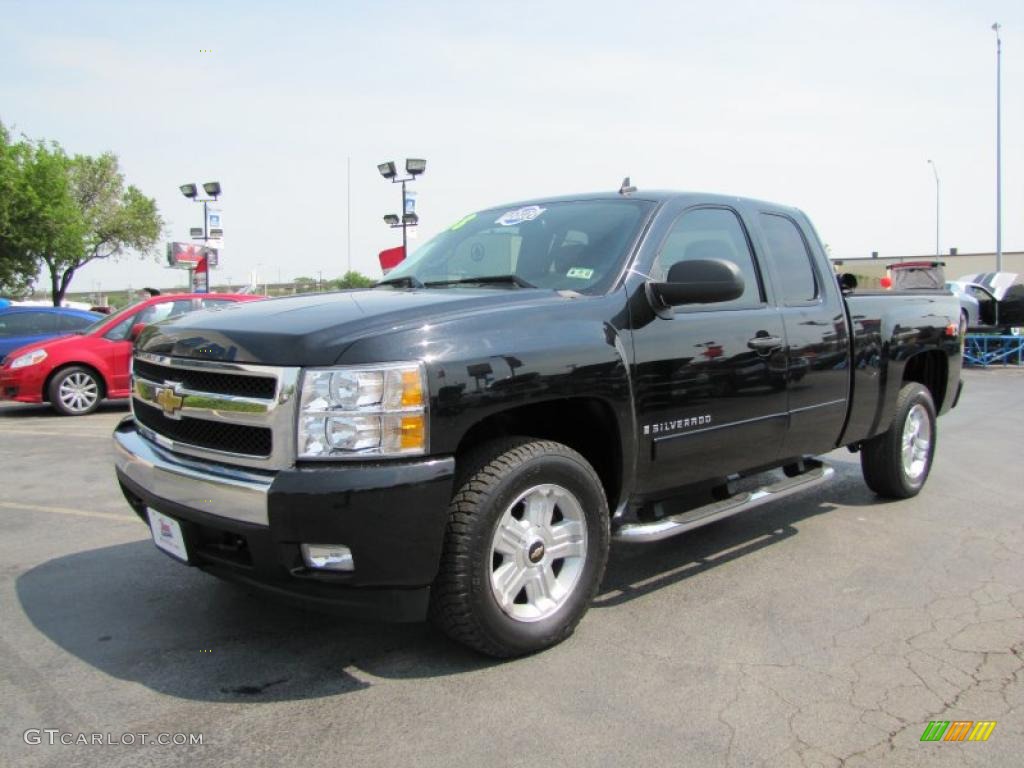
[(626, 189)]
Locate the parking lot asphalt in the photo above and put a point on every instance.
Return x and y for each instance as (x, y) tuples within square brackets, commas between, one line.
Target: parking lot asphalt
[(824, 630)]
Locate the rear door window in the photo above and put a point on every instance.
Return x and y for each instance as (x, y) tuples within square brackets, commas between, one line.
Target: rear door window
[(791, 259)]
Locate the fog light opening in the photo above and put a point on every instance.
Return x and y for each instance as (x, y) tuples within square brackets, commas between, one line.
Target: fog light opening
[(328, 557)]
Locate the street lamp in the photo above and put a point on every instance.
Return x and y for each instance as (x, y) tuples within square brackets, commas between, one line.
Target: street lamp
[(414, 167), (213, 190), (935, 170), (999, 148)]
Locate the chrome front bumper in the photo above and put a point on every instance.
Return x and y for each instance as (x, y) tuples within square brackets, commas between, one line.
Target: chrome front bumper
[(229, 492)]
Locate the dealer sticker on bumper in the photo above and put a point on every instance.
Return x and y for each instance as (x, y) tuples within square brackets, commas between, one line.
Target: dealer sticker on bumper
[(167, 534)]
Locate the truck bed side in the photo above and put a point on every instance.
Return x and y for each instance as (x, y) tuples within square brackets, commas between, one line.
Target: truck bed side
[(897, 337)]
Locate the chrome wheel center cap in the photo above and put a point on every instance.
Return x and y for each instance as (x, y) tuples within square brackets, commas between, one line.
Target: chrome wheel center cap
[(535, 552)]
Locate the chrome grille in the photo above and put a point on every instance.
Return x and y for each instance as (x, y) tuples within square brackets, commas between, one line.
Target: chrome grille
[(214, 435), (209, 381), (233, 413)]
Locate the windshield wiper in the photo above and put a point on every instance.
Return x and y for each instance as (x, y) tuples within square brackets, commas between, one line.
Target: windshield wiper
[(515, 280), (408, 281)]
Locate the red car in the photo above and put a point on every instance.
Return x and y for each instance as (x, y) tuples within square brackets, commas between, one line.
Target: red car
[(73, 373)]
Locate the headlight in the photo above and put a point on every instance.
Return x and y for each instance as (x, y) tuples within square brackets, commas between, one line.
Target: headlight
[(357, 411), (29, 358)]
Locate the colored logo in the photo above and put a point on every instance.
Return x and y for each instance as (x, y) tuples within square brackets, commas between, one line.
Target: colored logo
[(958, 730), (169, 401)]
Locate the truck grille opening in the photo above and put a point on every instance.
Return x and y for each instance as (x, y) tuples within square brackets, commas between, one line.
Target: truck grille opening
[(214, 435), (238, 385)]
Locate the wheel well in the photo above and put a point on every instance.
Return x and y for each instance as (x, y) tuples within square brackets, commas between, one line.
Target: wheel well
[(930, 369), (586, 425), (55, 371)]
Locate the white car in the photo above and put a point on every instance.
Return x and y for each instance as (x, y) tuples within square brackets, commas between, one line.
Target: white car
[(970, 307)]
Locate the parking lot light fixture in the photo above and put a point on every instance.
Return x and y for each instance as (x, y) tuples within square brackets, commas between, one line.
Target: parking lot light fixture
[(213, 191), (414, 167)]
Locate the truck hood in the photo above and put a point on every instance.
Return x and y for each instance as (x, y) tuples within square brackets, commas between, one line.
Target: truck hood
[(316, 329)]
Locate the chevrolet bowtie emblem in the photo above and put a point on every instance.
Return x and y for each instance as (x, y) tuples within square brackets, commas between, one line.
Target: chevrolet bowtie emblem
[(169, 400)]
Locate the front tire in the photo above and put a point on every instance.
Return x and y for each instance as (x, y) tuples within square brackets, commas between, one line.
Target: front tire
[(525, 548), (75, 391), (897, 462)]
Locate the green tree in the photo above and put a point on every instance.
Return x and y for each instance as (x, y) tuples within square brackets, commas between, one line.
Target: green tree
[(113, 219), (353, 279), (18, 262), (63, 212)]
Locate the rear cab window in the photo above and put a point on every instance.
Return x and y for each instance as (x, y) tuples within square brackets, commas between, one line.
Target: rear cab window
[(790, 255)]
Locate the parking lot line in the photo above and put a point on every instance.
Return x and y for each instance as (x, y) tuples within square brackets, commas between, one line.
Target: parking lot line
[(65, 433), (67, 511)]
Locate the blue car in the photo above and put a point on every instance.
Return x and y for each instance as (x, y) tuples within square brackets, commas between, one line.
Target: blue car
[(24, 325)]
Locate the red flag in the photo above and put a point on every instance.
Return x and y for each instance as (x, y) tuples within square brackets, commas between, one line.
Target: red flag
[(391, 258)]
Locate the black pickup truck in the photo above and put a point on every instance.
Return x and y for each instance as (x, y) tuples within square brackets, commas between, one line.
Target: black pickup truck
[(464, 440)]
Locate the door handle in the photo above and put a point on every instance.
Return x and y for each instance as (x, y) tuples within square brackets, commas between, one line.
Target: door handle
[(765, 344)]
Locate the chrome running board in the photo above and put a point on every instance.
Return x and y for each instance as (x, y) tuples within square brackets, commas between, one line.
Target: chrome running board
[(641, 533)]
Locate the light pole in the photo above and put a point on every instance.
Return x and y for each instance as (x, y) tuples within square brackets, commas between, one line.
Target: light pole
[(999, 147), (212, 189), (935, 170), (414, 167)]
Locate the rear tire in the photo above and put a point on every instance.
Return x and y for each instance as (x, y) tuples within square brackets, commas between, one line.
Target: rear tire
[(525, 548), (897, 462), (75, 391)]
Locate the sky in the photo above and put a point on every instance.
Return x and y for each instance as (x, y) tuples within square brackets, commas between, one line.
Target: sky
[(835, 108)]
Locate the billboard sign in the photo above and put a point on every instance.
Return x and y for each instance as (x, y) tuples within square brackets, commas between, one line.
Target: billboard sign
[(188, 255)]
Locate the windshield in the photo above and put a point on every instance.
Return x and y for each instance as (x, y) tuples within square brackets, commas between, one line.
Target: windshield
[(578, 246), (107, 319)]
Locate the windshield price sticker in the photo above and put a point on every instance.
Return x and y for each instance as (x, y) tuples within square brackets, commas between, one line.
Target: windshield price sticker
[(581, 272), (511, 218)]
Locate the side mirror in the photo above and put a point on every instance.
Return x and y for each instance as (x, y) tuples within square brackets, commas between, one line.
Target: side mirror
[(702, 281), (135, 331), (847, 282)]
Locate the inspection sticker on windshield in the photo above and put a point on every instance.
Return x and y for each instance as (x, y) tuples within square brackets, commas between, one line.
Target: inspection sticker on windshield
[(511, 218), (581, 272)]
